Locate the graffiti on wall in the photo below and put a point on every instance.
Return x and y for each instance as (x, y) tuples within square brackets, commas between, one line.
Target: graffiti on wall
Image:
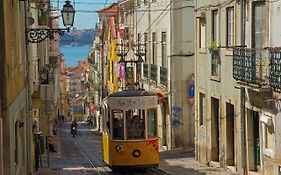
[(177, 116)]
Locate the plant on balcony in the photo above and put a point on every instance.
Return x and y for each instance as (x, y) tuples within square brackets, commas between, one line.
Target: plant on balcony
[(43, 18), (213, 49)]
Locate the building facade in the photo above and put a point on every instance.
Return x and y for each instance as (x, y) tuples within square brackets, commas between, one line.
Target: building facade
[(218, 120)]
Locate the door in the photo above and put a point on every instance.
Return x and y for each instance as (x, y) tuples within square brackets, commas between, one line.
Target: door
[(164, 124), (256, 139), (215, 133), (230, 154)]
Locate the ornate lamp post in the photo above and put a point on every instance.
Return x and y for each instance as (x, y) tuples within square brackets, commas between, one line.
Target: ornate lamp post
[(36, 35)]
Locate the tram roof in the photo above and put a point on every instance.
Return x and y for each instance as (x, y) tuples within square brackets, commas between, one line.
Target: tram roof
[(132, 93)]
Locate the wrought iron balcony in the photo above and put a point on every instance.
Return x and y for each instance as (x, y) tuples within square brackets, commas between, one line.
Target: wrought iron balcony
[(145, 70), (163, 76), (250, 66), (153, 73), (275, 68)]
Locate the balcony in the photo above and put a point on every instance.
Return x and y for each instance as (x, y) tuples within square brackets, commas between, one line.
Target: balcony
[(153, 73), (250, 66), (145, 70), (275, 68), (163, 76)]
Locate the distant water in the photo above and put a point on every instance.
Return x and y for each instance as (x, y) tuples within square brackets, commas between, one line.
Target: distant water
[(72, 54)]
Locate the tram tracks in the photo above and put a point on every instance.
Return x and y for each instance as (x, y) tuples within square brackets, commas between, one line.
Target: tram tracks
[(94, 164)]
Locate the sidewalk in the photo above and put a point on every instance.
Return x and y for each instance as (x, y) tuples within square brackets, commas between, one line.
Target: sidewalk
[(182, 162)]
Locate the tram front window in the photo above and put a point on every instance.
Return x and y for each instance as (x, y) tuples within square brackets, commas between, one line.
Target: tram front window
[(118, 125), (152, 123), (135, 124)]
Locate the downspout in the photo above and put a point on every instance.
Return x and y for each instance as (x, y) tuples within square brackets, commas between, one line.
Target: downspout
[(242, 96)]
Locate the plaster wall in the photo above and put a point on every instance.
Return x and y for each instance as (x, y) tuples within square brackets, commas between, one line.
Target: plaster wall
[(221, 87)]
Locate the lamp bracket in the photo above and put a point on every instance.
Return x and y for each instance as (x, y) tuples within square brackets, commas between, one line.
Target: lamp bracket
[(37, 35)]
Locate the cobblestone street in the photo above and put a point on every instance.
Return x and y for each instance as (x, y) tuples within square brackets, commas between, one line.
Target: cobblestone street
[(83, 155)]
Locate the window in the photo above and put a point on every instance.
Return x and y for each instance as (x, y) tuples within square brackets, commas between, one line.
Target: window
[(202, 112), (164, 49), (215, 26), (146, 44), (135, 124), (118, 124), (152, 123), (230, 27), (215, 65), (154, 48), (268, 135), (202, 33), (259, 25)]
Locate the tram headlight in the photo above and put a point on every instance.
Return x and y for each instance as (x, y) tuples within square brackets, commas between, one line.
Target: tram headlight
[(119, 148), (136, 153)]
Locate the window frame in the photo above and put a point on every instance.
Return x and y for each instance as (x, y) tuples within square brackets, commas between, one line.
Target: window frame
[(164, 49), (155, 124), (215, 65), (268, 121), (215, 26), (202, 34), (230, 35), (262, 33)]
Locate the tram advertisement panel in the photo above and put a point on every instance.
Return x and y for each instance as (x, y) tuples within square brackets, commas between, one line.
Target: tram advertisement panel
[(142, 102)]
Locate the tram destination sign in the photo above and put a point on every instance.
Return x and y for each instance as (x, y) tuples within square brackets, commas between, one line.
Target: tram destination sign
[(125, 103)]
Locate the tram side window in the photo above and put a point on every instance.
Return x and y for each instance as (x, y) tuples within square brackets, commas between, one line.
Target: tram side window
[(152, 123), (135, 124), (118, 125)]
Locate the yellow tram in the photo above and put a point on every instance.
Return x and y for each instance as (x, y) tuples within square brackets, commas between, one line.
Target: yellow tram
[(130, 137)]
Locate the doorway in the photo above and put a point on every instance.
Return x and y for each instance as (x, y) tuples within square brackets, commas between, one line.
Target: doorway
[(215, 131), (253, 141), (164, 123), (230, 128)]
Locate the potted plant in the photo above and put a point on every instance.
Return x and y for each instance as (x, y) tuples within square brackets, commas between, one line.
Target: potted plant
[(213, 49), (43, 18)]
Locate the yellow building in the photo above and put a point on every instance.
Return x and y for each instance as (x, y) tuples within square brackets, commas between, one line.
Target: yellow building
[(15, 158)]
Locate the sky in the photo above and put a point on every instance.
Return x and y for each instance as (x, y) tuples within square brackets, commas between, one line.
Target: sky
[(85, 16)]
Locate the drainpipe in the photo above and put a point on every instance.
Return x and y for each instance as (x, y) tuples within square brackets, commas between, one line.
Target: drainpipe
[(242, 91)]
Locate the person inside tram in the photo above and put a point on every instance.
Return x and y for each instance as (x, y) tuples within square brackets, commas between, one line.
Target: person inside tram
[(134, 127), (117, 129)]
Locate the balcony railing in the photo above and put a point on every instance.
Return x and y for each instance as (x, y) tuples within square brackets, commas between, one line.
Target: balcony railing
[(163, 76), (275, 68), (153, 73), (250, 66), (145, 70)]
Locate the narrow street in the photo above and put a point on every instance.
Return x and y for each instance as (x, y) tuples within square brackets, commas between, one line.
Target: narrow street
[(83, 155)]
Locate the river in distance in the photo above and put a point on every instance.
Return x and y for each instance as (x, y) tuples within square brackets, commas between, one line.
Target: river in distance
[(72, 54)]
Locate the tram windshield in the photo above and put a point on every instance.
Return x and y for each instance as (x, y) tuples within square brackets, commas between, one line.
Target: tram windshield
[(135, 124)]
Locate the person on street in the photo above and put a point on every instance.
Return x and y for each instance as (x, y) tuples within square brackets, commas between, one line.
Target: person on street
[(51, 144)]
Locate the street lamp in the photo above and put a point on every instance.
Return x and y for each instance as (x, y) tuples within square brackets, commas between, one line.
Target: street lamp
[(36, 35)]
